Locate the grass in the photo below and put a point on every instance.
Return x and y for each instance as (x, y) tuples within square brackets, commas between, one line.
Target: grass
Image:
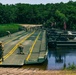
[(70, 67), (8, 27)]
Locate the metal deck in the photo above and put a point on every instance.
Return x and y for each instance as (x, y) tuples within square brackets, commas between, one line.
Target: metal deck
[(34, 50)]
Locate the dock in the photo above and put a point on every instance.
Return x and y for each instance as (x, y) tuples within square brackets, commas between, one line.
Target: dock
[(35, 48)]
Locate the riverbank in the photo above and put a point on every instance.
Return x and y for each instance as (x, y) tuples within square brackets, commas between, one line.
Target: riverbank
[(33, 71)]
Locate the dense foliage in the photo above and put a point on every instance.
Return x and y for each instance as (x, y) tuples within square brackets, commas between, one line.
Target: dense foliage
[(48, 14)]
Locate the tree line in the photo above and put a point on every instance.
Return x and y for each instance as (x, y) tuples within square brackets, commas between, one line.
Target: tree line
[(45, 14)]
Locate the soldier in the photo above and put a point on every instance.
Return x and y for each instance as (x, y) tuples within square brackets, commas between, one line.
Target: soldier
[(20, 48), (8, 33), (1, 51)]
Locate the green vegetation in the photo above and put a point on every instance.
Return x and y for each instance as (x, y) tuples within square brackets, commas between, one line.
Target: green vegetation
[(70, 67), (47, 14), (8, 27)]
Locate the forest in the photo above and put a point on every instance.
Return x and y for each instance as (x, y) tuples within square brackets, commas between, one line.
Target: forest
[(46, 14)]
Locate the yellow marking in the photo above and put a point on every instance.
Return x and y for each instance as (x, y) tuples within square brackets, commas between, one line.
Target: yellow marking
[(15, 47), (31, 49), (11, 40), (0, 62)]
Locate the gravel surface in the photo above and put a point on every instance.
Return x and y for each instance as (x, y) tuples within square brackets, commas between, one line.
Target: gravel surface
[(22, 71)]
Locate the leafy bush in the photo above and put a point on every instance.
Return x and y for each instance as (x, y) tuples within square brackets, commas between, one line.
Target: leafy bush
[(71, 67)]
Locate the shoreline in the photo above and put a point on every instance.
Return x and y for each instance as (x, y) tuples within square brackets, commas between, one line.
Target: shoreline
[(33, 71)]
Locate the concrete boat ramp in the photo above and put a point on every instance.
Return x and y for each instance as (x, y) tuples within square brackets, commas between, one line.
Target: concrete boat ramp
[(35, 49)]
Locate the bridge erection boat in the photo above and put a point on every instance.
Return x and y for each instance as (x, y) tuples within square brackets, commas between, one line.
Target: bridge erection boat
[(60, 38)]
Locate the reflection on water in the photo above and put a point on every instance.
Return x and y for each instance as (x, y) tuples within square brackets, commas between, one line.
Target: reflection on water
[(58, 58)]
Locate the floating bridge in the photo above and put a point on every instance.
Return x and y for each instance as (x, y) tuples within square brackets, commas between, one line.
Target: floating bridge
[(35, 48)]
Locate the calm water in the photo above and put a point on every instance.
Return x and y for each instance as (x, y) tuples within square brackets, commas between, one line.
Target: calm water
[(56, 59)]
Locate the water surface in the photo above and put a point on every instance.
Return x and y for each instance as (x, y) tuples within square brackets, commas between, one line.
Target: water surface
[(58, 57)]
